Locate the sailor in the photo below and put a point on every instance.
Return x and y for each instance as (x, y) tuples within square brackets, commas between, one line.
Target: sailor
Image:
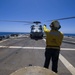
[(54, 39)]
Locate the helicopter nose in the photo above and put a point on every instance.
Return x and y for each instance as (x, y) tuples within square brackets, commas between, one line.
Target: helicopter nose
[(36, 30)]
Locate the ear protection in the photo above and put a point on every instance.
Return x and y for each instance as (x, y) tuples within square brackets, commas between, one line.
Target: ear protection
[(55, 25)]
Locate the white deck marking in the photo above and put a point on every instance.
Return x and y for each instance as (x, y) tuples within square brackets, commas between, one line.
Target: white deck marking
[(66, 63), (68, 49), (68, 41), (33, 47), (22, 47), (3, 40)]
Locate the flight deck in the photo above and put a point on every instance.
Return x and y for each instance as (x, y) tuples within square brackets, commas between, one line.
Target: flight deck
[(22, 51)]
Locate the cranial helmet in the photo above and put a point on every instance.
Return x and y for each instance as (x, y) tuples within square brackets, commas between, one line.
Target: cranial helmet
[(55, 24)]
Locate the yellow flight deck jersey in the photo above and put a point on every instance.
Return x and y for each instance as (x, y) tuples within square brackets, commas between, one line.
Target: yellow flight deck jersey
[(53, 38)]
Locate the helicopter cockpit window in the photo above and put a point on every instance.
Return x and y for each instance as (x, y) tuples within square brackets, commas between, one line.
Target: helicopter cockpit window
[(32, 27), (40, 28)]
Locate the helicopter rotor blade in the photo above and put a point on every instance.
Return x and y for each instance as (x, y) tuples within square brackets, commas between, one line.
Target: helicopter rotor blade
[(15, 21), (26, 22), (63, 18)]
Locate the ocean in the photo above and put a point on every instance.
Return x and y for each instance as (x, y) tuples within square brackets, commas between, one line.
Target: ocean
[(8, 33), (69, 34)]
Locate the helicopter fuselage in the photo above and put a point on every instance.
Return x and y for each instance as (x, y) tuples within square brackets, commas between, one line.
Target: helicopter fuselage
[(36, 31)]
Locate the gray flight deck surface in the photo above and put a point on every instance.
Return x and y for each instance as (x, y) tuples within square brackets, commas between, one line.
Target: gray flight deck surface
[(20, 52)]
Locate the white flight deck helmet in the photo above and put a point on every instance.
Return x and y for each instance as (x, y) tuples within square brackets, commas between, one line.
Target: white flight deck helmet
[(55, 25)]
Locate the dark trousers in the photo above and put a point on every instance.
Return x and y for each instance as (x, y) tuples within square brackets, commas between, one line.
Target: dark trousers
[(54, 55)]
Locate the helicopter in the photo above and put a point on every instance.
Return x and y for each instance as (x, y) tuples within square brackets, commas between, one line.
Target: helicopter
[(36, 29)]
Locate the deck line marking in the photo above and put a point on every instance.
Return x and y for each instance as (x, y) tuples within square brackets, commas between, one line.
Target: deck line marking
[(66, 63), (68, 41), (33, 47), (67, 49), (3, 40)]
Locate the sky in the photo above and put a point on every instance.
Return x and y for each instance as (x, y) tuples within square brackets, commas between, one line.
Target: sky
[(36, 10)]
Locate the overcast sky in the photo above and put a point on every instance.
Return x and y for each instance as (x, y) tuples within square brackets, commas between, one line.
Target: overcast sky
[(36, 10)]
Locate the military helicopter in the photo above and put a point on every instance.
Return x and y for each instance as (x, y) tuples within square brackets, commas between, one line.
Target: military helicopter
[(36, 30)]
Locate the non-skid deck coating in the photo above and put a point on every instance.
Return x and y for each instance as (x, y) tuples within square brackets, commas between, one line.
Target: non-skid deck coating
[(20, 52)]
